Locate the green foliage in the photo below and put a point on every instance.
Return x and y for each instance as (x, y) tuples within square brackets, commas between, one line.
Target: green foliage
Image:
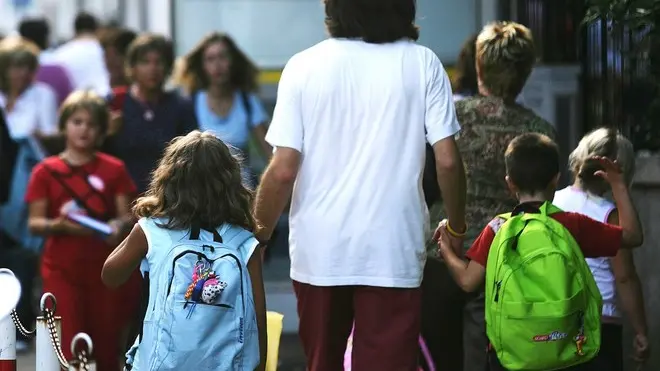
[(636, 14)]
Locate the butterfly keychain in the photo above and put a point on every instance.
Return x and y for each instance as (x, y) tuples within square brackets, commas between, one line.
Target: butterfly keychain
[(205, 286)]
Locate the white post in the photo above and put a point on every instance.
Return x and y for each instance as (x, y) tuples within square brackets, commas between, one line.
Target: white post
[(75, 364), (7, 344), (46, 357)]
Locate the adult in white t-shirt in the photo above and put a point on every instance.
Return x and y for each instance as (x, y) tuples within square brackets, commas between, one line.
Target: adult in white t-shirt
[(83, 57), (352, 117)]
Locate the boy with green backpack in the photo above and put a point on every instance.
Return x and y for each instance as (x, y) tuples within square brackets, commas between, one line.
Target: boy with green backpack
[(542, 304)]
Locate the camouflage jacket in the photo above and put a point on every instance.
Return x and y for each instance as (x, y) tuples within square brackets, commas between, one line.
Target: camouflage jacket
[(487, 127)]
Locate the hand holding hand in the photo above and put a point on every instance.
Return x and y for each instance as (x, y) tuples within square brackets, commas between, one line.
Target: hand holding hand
[(448, 240)]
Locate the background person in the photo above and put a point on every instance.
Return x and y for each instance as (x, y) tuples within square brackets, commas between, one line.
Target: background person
[(50, 73), (351, 120), (223, 84), (505, 56), (83, 58), (82, 180)]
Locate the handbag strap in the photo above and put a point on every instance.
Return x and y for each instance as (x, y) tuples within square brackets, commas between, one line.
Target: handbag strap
[(78, 198)]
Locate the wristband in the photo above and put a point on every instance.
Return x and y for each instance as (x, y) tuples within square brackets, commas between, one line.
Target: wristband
[(453, 232)]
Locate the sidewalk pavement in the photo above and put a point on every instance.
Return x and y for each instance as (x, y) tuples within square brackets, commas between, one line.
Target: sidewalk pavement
[(291, 356)]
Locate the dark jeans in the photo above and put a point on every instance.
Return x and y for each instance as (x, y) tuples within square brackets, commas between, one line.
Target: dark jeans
[(442, 311), (453, 323), (610, 357), (475, 341), (23, 263)]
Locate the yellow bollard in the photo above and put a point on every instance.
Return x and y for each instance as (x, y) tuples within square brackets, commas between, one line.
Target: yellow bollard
[(274, 326)]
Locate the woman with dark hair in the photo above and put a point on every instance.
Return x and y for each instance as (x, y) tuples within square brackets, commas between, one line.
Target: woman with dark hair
[(352, 117), (464, 82), (223, 84)]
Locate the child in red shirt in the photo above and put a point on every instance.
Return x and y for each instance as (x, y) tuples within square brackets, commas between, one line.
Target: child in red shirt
[(532, 162), (84, 181)]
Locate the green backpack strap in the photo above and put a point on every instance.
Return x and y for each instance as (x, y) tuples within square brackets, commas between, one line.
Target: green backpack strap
[(546, 209)]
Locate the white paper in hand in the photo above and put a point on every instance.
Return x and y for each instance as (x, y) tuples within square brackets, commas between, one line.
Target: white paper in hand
[(91, 223)]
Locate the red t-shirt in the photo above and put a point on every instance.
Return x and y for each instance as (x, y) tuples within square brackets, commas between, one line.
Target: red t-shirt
[(596, 239), (97, 184)]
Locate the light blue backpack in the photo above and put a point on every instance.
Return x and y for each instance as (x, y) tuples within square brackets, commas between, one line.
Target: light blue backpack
[(200, 314)]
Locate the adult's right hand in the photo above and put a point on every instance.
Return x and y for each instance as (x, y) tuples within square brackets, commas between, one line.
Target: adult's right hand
[(455, 241)]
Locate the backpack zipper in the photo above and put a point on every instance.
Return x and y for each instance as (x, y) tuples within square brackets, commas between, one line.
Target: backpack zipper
[(498, 286), (240, 269)]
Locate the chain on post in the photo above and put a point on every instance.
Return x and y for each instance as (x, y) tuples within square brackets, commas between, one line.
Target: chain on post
[(82, 356), (49, 315), (14, 316), (19, 326)]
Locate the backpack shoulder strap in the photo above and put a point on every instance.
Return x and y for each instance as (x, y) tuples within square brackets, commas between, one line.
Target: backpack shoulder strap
[(245, 99), (196, 230), (194, 97), (505, 216), (235, 236), (548, 208)]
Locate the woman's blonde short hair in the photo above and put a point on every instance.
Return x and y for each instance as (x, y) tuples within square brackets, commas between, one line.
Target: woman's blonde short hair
[(505, 58), (16, 50), (605, 142)]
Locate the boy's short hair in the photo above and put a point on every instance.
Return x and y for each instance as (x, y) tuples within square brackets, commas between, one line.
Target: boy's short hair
[(505, 58), (532, 162), (147, 43)]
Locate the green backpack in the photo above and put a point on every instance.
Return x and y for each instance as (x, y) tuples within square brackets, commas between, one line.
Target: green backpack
[(543, 307)]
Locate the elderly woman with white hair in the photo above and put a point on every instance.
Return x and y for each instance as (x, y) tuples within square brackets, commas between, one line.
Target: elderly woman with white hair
[(616, 277)]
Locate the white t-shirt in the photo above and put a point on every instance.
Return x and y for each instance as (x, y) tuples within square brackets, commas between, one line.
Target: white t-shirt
[(598, 208), (34, 110), (360, 114), (83, 59)]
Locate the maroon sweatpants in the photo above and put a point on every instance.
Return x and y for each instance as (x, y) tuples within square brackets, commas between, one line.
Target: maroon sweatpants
[(387, 326)]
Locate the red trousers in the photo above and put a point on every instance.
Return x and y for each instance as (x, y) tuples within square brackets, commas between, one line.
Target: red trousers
[(387, 326), (86, 305)]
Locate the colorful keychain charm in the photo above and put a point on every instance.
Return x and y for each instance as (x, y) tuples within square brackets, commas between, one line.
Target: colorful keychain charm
[(205, 286)]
